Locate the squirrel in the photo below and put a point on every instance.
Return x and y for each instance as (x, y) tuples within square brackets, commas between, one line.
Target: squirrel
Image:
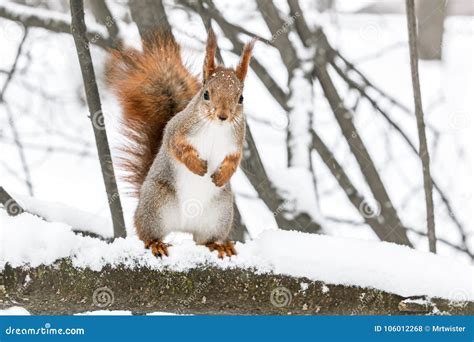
[(184, 139)]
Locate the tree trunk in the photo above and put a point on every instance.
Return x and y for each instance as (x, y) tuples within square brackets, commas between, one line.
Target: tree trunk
[(423, 150), (78, 29), (431, 14), (64, 289), (149, 14)]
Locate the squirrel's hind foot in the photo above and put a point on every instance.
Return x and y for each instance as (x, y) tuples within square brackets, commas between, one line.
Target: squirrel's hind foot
[(227, 248), (158, 248)]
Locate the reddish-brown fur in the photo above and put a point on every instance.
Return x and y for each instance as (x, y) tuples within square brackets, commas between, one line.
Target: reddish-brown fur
[(242, 67), (152, 86), (187, 154), (209, 61), (226, 170)]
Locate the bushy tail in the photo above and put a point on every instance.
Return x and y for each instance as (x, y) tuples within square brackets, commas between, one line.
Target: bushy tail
[(152, 86)]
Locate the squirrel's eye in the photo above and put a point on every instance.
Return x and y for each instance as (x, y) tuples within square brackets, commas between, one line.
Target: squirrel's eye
[(241, 99), (206, 95)]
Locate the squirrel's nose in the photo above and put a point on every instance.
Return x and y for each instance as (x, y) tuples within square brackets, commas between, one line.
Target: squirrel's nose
[(222, 117)]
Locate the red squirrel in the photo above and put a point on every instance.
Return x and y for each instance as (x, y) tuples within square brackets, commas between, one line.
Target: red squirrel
[(185, 140)]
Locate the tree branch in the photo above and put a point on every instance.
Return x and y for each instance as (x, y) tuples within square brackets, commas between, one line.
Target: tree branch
[(149, 14), (78, 29), (361, 89), (11, 119), (12, 70), (49, 20), (64, 289), (368, 213), (102, 13), (392, 228), (423, 152), (388, 213), (279, 30)]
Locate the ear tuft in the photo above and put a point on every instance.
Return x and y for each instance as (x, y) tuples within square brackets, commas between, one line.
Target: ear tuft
[(209, 61), (242, 67)]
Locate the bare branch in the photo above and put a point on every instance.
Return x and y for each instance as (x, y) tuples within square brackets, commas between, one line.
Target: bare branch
[(361, 88), (149, 14), (446, 242), (49, 20), (255, 171), (279, 30), (21, 150), (444, 198), (383, 231), (301, 26), (423, 152), (78, 29), (388, 213), (14, 65), (104, 16), (11, 119)]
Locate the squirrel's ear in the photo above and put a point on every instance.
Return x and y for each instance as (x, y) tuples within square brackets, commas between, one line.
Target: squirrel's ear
[(242, 67), (209, 61)]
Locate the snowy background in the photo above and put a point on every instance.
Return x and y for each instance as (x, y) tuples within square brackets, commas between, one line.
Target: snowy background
[(48, 151)]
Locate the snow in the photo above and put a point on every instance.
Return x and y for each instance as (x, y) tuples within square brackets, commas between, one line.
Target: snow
[(14, 311), (385, 266), (419, 301), (57, 212), (19, 311), (301, 110), (105, 313), (304, 286)]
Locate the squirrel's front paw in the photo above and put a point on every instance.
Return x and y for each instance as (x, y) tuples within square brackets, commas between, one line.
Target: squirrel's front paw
[(219, 178), (198, 166)]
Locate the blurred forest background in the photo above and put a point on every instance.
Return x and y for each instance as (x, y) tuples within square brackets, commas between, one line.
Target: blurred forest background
[(332, 145)]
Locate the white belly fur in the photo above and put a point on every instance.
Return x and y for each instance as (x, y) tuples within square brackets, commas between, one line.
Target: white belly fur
[(194, 193)]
